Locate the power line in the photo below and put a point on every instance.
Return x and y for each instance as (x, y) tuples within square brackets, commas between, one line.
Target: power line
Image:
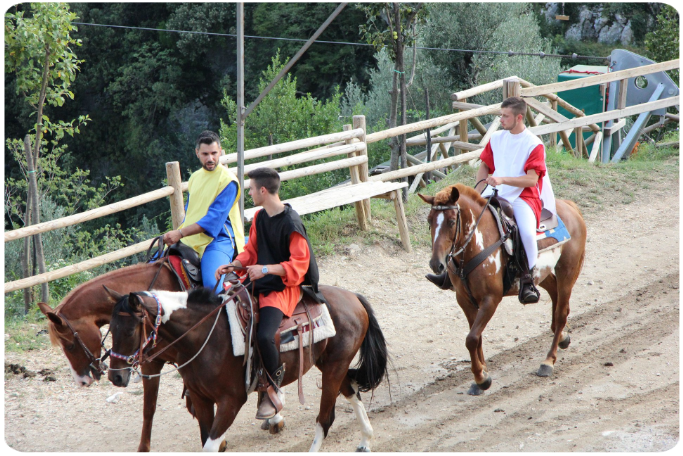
[(347, 43)]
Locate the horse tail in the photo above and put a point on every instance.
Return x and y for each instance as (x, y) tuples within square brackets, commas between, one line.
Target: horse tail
[(373, 357)]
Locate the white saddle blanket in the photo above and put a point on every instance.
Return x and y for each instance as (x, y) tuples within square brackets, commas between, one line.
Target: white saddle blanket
[(324, 329)]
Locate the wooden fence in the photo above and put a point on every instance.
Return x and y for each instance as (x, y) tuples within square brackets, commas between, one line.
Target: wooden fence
[(352, 142)]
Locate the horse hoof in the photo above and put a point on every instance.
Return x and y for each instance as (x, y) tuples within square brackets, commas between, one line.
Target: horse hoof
[(565, 342), (545, 370), (475, 390), (362, 449), (486, 384), (265, 425), (277, 428), (223, 447)]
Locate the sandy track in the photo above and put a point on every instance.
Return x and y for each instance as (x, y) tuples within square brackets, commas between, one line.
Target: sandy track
[(625, 311)]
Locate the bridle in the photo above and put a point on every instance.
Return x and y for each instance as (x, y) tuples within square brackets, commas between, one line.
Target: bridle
[(458, 266), (145, 319), (96, 364)]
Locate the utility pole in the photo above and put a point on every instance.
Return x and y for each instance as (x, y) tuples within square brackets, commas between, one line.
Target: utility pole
[(240, 103)]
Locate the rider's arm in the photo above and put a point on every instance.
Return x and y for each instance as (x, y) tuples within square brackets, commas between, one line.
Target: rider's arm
[(296, 268), (529, 180), (482, 174), (217, 214)]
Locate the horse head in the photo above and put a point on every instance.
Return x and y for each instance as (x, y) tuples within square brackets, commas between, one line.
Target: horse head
[(443, 223), (126, 326), (80, 340)]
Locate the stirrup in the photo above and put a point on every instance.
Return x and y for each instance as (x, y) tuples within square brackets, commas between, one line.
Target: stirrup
[(528, 293), (442, 280)]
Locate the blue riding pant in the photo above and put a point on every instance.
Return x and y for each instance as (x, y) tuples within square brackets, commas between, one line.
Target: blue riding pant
[(216, 254)]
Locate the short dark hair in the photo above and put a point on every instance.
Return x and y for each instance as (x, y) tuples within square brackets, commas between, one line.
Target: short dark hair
[(517, 104), (207, 137), (266, 177)]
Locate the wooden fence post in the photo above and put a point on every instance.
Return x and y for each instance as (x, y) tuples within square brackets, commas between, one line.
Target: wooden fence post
[(355, 173), (511, 87), (359, 122), (553, 136), (463, 131), (177, 206)]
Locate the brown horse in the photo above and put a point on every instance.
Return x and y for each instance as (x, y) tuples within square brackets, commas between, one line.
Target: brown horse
[(452, 221), (215, 376), (87, 308)]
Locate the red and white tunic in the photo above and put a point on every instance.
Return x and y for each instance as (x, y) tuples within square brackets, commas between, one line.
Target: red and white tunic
[(508, 155)]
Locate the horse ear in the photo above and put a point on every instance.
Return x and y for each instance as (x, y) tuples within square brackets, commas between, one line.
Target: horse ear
[(455, 194), (427, 199), (134, 301), (114, 295), (53, 317)]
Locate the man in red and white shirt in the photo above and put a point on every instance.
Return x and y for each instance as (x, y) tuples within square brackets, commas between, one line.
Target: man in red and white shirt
[(515, 160)]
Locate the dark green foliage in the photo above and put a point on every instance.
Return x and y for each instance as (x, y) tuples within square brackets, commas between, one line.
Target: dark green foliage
[(663, 43)]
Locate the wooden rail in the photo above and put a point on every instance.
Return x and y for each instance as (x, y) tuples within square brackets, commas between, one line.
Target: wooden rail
[(78, 267), (89, 215)]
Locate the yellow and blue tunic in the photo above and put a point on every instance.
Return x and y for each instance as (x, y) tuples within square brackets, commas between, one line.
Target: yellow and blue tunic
[(213, 203)]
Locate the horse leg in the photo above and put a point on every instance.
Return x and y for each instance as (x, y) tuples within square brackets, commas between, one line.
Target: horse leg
[(334, 372), (349, 389), (563, 291), (150, 387), (550, 285), (203, 409), (473, 342), (225, 415)]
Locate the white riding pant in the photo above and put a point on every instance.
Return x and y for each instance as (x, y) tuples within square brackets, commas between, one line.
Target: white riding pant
[(526, 222)]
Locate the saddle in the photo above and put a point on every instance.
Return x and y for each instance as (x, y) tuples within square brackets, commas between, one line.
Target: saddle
[(305, 319), (186, 264), (505, 220)]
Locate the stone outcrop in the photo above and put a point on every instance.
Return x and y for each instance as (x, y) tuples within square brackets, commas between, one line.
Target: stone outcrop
[(592, 25)]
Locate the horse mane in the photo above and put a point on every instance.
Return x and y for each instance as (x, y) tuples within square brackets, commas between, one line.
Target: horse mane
[(444, 196), (122, 305), (105, 276), (203, 296)]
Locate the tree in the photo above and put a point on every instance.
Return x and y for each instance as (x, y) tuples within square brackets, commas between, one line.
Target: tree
[(393, 25), (664, 41), (38, 52)]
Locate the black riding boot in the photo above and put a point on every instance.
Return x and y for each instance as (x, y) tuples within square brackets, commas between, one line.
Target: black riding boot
[(273, 399), (528, 293), (442, 280)]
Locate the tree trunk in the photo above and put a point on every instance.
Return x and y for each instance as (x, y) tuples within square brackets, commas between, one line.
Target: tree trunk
[(26, 253), (393, 142), (35, 211), (400, 68)]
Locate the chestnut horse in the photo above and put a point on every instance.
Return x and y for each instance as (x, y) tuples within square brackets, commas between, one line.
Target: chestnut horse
[(87, 308), (213, 375), (452, 220)]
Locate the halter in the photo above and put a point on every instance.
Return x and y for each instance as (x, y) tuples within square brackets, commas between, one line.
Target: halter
[(464, 270), (152, 335)]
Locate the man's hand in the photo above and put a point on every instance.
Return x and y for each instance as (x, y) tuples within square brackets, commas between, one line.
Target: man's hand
[(494, 181), (255, 272), (172, 237), (225, 269)]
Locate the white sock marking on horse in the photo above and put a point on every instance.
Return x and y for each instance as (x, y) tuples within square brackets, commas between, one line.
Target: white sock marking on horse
[(275, 420), (318, 440), (170, 302), (362, 417), (81, 380), (213, 445), (439, 221)]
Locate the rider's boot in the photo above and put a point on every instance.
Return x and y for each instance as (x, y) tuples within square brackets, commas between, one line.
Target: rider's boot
[(528, 293), (273, 399), (442, 280)]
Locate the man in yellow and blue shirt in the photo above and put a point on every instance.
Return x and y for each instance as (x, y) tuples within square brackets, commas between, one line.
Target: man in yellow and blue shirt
[(213, 226)]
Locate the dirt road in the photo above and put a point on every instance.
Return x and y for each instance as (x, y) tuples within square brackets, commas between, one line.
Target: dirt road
[(616, 388)]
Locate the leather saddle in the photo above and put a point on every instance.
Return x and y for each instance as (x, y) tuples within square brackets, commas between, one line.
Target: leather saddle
[(305, 318), (548, 219), (190, 261)]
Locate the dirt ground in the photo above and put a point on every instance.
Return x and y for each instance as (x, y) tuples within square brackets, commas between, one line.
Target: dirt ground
[(616, 388)]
